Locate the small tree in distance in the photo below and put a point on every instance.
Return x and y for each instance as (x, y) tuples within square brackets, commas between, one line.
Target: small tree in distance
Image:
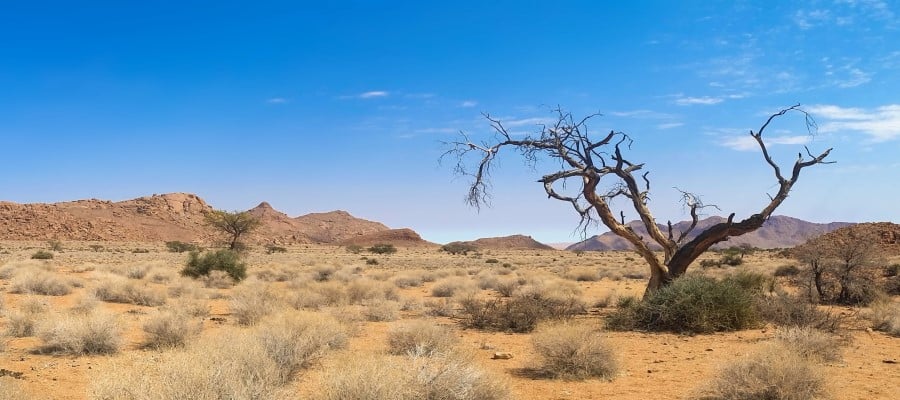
[(586, 161), (235, 224)]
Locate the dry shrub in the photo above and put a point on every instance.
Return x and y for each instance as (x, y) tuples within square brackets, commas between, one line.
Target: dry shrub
[(296, 339), (582, 274), (507, 286), (520, 313), (810, 343), (94, 333), (276, 273), (232, 365), (10, 389), (382, 310), (364, 289), (408, 279), (217, 279), (440, 307), (137, 271), (783, 309), (169, 329), (885, 316), (773, 373), (487, 280), (13, 268), (450, 286), (186, 287), (42, 282), (22, 321), (85, 304), (316, 295), (253, 301), (191, 306), (116, 289), (574, 351), (440, 377), (159, 275), (420, 337)]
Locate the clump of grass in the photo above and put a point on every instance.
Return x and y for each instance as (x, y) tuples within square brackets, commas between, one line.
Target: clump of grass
[(41, 282), (420, 337), (440, 307), (450, 286), (42, 255), (21, 323), (582, 274), (116, 289), (574, 351), (167, 329), (364, 289), (785, 310), (296, 339), (810, 343), (787, 270), (440, 377), (253, 301), (406, 280), (885, 316), (217, 280), (773, 373), (382, 310), (691, 304), (78, 334)]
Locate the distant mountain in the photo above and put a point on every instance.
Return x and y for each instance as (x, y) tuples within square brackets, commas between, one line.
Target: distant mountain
[(398, 237), (514, 242), (777, 232), (173, 216)]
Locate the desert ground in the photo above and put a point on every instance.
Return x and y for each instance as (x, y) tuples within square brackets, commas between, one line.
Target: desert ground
[(134, 292)]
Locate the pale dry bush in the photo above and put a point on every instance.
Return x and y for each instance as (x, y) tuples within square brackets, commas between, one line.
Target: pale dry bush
[(420, 337), (572, 350), (487, 280), (77, 334), (22, 320), (507, 286), (37, 281), (217, 279), (364, 289), (13, 268), (195, 307), (774, 372), (315, 295), (810, 343), (85, 304), (137, 271), (277, 273), (440, 307), (117, 289), (160, 275), (10, 389), (408, 279), (167, 328), (439, 377), (885, 316), (582, 274), (296, 339), (382, 310), (232, 365), (252, 301), (449, 287), (186, 287)]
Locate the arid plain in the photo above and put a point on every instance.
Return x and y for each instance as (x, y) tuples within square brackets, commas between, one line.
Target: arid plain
[(365, 303)]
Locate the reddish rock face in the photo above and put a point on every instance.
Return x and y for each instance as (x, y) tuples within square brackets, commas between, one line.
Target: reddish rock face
[(173, 216)]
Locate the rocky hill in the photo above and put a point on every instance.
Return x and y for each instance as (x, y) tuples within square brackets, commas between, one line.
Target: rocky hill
[(396, 237), (514, 242), (885, 235), (173, 216), (777, 232)]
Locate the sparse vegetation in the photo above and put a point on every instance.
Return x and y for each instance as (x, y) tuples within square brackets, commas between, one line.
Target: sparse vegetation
[(169, 329), (382, 248), (520, 313), (459, 248), (176, 246), (42, 255), (420, 337), (773, 373), (77, 334), (272, 249)]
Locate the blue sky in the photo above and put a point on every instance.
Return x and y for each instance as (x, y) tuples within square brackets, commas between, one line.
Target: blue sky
[(315, 107)]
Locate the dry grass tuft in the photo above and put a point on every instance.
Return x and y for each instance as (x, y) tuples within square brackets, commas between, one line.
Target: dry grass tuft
[(810, 343), (574, 351), (885, 316), (252, 301), (294, 340), (37, 281), (95, 333), (449, 287), (420, 337), (772, 373), (116, 289), (168, 328)]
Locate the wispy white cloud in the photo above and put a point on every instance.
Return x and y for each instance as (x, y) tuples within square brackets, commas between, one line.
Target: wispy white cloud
[(747, 143), (669, 125), (436, 130), (704, 100), (373, 94), (468, 103), (277, 100), (809, 19), (533, 121), (880, 124)]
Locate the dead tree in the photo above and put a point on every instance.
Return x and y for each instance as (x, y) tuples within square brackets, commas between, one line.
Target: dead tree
[(586, 162)]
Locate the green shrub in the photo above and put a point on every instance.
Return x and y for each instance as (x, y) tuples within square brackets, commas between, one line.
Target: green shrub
[(353, 248), (42, 255), (690, 304), (383, 248), (520, 313), (176, 246), (458, 248), (221, 260)]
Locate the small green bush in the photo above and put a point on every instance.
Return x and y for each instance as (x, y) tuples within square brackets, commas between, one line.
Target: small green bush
[(458, 248), (690, 304), (176, 246), (520, 313), (383, 248), (42, 255), (221, 260)]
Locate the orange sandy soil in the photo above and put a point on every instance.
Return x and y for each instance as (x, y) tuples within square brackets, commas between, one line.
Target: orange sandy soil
[(652, 365)]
